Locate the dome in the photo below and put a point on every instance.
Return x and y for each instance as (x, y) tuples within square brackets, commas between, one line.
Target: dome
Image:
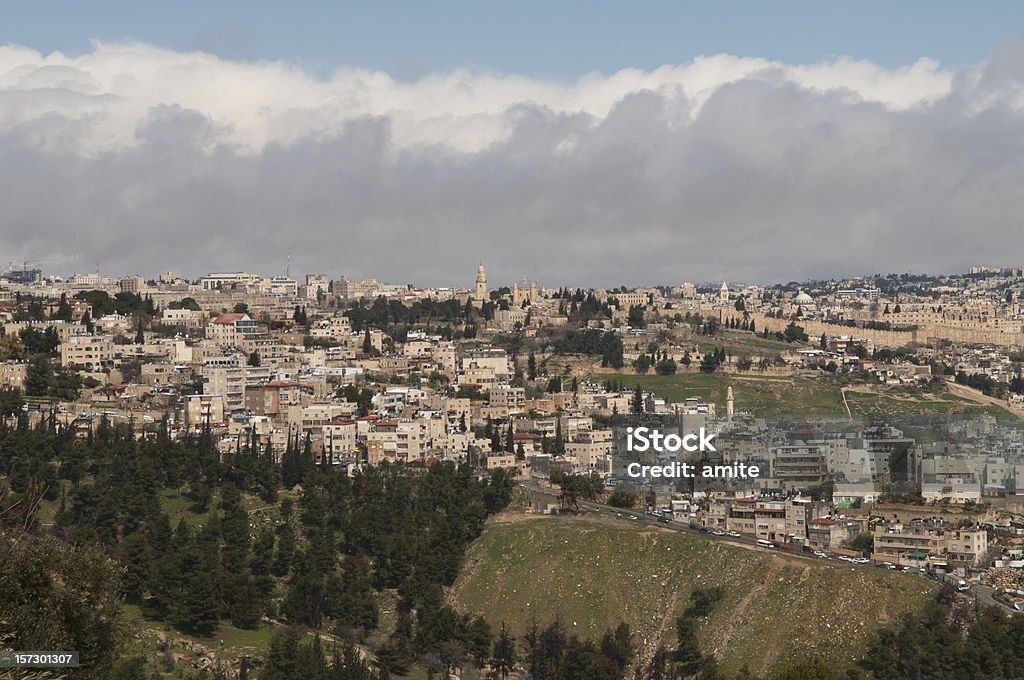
[(803, 298)]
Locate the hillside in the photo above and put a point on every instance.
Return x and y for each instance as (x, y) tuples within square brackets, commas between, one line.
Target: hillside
[(595, 572)]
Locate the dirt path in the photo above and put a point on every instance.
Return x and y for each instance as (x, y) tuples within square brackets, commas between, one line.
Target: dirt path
[(976, 396)]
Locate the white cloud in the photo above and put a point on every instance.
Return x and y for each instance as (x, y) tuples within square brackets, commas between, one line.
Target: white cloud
[(114, 87), (147, 159)]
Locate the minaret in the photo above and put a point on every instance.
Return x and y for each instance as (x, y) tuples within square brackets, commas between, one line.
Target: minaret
[(728, 403), (480, 291)]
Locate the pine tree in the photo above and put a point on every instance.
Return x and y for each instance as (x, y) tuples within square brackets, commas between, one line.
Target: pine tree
[(638, 400), (503, 661)]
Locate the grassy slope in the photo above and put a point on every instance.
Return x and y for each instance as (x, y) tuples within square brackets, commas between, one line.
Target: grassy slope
[(595, 572), (768, 395), (895, 403), (811, 396)]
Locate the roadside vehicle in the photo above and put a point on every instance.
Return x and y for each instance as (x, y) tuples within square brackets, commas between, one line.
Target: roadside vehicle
[(765, 544)]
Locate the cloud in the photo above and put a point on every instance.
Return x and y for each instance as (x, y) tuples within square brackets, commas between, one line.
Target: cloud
[(725, 167)]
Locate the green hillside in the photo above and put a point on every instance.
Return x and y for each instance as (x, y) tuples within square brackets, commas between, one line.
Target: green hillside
[(763, 395), (594, 572)]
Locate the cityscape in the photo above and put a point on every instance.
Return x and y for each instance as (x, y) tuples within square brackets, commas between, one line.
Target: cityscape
[(511, 341), (884, 414)]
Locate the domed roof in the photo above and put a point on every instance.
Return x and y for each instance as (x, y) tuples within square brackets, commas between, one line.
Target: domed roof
[(803, 298)]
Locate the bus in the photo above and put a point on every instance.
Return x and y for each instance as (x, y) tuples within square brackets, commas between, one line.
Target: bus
[(765, 544)]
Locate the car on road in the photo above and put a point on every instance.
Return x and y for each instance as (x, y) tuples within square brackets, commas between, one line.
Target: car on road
[(734, 534), (861, 560), (704, 530), (820, 554), (633, 517), (718, 532)]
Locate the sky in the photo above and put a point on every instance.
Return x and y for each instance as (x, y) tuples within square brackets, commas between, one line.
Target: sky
[(596, 144)]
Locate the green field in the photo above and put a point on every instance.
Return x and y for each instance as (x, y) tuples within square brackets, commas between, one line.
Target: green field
[(763, 395), (595, 572), (896, 403)]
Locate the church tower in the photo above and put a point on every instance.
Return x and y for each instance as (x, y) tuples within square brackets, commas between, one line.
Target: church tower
[(729, 403), (480, 290)]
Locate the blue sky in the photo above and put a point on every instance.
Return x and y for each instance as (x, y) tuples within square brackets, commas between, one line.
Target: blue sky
[(559, 40)]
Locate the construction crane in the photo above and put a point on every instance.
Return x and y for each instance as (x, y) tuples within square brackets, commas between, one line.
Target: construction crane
[(18, 270)]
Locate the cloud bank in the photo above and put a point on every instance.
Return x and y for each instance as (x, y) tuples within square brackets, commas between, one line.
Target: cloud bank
[(145, 159)]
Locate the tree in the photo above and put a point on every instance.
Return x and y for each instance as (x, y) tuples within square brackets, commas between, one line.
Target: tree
[(503, 660), (63, 309), (794, 333), (642, 364), (623, 498), (60, 596), (254, 359), (665, 367), (140, 336), (709, 362), (241, 308), (531, 367), (11, 348), (11, 401), (38, 376), (367, 343), (637, 405), (479, 640)]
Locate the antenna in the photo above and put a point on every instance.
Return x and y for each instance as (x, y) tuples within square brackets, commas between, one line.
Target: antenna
[(288, 268)]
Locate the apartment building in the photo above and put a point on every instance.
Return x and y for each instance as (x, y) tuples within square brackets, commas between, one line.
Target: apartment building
[(395, 440), (92, 352), (203, 410), (919, 542)]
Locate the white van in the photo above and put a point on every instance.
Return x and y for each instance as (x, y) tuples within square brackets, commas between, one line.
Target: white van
[(765, 544)]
